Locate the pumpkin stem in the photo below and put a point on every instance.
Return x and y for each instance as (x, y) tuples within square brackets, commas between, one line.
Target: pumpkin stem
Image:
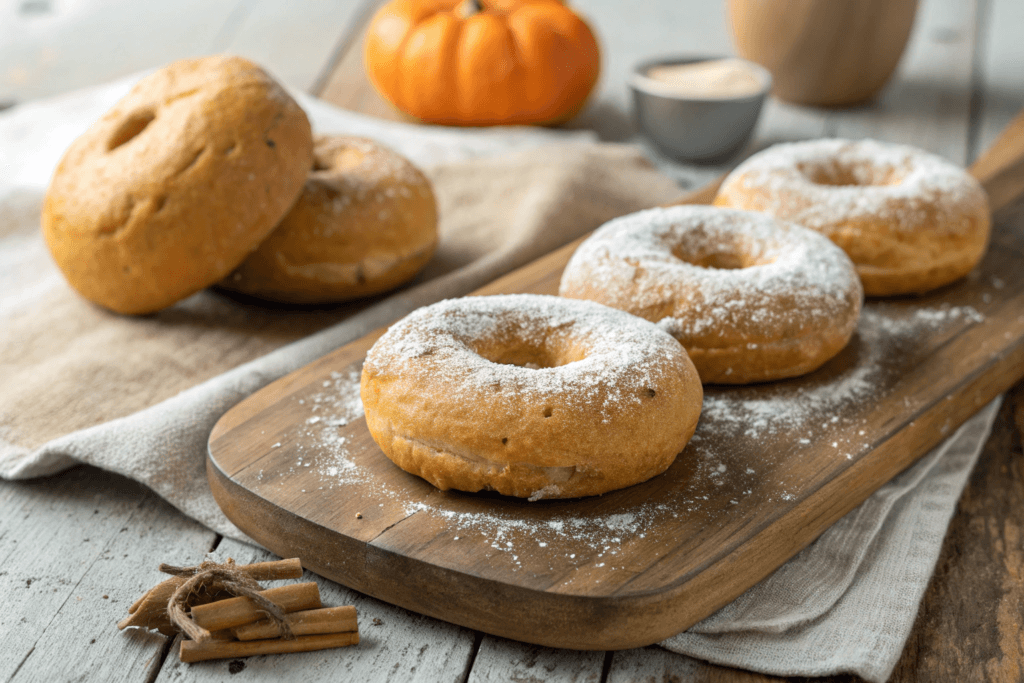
[(469, 8)]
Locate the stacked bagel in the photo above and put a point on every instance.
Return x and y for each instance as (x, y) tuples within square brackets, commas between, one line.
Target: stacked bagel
[(207, 173)]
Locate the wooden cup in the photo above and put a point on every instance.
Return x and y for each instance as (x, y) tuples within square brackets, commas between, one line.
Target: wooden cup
[(823, 52)]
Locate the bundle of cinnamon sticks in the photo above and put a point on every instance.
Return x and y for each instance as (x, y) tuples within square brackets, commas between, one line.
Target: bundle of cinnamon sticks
[(224, 613)]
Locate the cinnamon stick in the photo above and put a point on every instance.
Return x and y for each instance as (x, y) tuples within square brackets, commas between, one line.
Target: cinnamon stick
[(191, 651), (309, 622), (290, 568), (150, 610), (234, 612), (259, 571)]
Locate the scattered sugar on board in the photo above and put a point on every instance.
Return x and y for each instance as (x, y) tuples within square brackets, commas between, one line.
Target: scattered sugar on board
[(786, 408), (335, 406)]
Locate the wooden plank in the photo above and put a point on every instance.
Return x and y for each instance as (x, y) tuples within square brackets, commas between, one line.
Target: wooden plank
[(75, 551), (500, 660), (969, 626), (655, 665), (686, 566), (395, 645)]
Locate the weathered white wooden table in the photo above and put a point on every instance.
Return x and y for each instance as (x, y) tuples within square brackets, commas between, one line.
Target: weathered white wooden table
[(77, 549)]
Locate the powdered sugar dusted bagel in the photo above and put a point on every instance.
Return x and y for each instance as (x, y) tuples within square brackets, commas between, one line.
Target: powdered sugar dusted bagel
[(366, 222), (751, 298), (910, 220), (531, 396)]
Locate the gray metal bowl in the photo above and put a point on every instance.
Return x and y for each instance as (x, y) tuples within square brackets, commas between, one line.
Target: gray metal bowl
[(694, 129)]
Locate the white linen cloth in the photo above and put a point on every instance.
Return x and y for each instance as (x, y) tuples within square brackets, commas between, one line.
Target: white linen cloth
[(844, 604)]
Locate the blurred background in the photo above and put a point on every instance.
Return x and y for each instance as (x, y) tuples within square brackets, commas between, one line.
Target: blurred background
[(961, 64)]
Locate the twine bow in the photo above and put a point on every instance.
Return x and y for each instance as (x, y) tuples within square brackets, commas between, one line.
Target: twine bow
[(211, 577)]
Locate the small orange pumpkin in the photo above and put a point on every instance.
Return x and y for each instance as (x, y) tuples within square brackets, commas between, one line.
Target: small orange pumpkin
[(476, 63)]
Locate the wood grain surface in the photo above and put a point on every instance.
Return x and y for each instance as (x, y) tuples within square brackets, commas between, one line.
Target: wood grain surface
[(739, 501)]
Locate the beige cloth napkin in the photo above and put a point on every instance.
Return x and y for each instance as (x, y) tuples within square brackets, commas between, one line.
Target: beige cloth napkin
[(69, 365), (138, 396)]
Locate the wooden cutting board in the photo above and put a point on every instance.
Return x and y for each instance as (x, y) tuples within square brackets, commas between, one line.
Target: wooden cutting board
[(770, 468)]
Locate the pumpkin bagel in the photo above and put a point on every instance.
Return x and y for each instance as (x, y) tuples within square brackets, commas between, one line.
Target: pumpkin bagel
[(176, 184), (366, 222), (531, 396)]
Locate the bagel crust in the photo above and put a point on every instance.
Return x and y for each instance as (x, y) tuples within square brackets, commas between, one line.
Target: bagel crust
[(530, 396), (366, 222), (752, 299), (173, 187), (910, 220)]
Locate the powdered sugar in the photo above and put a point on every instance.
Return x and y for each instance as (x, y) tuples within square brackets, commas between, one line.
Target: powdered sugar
[(362, 175), (587, 354), (716, 277), (820, 183), (886, 333), (732, 462), (336, 406), (355, 160)]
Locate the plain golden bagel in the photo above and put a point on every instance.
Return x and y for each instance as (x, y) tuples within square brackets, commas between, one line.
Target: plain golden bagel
[(366, 222), (751, 298), (910, 220), (176, 184), (530, 396)]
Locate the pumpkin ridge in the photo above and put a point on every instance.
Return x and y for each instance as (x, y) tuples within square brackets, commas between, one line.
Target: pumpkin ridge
[(518, 68)]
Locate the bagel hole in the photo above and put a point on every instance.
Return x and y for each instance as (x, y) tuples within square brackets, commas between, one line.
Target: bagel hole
[(180, 96), (531, 359), (130, 128), (348, 158), (851, 175), (532, 353), (719, 260)]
